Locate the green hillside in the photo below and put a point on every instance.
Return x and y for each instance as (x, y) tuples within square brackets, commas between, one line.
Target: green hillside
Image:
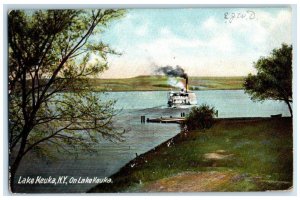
[(153, 83)]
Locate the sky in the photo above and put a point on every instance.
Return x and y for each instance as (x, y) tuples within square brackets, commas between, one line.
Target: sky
[(203, 41)]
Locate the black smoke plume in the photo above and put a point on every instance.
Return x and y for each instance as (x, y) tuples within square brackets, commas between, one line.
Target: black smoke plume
[(172, 71)]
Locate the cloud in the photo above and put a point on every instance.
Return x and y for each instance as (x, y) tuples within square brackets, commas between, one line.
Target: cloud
[(208, 47), (210, 23), (142, 30), (221, 43)]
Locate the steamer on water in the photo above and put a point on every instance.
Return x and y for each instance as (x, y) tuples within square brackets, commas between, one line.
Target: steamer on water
[(183, 98)]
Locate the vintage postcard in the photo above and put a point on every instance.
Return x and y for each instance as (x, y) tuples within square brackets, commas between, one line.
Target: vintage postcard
[(148, 100)]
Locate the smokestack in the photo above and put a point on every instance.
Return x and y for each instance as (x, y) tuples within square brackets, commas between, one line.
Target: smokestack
[(186, 83)]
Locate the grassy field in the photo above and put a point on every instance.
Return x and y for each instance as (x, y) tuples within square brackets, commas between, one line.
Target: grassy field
[(245, 155), (154, 83)]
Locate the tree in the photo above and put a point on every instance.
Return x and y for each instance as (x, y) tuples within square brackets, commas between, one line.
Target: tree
[(200, 117), (51, 58), (274, 77)]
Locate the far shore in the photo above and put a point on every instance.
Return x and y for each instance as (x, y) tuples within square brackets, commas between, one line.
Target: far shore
[(161, 83), (167, 90)]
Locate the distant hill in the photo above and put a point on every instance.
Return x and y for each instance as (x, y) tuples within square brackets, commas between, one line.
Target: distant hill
[(157, 83)]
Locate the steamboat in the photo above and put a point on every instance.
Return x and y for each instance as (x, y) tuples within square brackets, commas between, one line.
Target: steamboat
[(182, 98)]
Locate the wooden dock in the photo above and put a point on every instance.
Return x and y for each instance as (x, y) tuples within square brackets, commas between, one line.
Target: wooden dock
[(177, 120)]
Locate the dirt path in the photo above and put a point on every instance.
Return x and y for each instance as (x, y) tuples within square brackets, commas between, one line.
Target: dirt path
[(190, 182)]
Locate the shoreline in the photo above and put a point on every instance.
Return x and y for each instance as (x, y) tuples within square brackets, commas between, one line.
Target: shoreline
[(209, 89), (125, 173), (105, 91), (138, 160)]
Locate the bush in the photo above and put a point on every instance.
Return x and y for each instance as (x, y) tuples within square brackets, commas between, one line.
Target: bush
[(200, 117)]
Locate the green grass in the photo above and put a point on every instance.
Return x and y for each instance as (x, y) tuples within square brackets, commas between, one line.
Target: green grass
[(261, 158), (218, 83), (154, 83)]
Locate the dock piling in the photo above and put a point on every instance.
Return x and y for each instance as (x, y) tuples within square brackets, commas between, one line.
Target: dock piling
[(143, 119)]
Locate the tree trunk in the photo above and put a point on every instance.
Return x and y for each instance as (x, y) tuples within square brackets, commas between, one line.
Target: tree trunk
[(12, 171), (15, 165), (290, 107)]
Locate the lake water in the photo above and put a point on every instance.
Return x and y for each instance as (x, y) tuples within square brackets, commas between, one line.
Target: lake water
[(229, 103), (139, 138)]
